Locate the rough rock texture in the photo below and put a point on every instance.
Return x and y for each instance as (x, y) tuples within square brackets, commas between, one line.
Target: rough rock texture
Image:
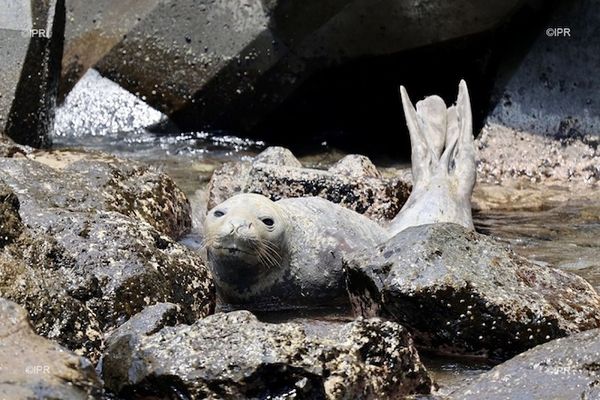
[(32, 367), (31, 40), (79, 181), (546, 91), (80, 266), (235, 356), (92, 28), (563, 369), (462, 292), (97, 106), (506, 154), (353, 183), (229, 64)]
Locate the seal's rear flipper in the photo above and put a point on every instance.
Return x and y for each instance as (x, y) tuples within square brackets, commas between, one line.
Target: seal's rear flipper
[(443, 162)]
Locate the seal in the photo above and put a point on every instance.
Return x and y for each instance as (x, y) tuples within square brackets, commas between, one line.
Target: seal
[(283, 254), (288, 253)]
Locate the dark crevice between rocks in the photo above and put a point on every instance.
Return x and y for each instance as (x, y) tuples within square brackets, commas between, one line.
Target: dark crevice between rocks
[(343, 105)]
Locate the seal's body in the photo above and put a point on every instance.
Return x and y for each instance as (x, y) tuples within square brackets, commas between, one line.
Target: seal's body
[(289, 253), (284, 254)]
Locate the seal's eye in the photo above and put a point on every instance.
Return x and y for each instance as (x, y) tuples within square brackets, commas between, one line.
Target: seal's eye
[(218, 213), (268, 221)]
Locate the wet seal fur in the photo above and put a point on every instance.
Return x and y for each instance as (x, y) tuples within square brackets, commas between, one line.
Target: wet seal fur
[(288, 253), (284, 254)]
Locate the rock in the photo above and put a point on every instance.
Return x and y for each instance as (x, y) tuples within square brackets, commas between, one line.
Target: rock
[(92, 29), (226, 66), (148, 321), (277, 155), (351, 184), (507, 155), (565, 368), (35, 368), (31, 43), (85, 258), (98, 107), (8, 148), (462, 292), (544, 91), (80, 181), (356, 166), (234, 355)]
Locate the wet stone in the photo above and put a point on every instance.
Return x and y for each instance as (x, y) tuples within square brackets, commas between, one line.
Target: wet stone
[(233, 355), (462, 292), (353, 183), (566, 368), (32, 367), (80, 267)]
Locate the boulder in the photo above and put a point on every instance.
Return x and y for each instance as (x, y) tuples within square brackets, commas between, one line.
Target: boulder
[(233, 355), (462, 292), (98, 107), (564, 369), (542, 90), (353, 183), (31, 43), (82, 255), (227, 64), (32, 367), (93, 28)]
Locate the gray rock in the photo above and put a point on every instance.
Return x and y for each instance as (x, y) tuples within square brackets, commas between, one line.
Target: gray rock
[(353, 187), (356, 166), (462, 292), (80, 266), (563, 369), (79, 181), (92, 29), (551, 90), (235, 356), (228, 65), (99, 107), (32, 367), (31, 43)]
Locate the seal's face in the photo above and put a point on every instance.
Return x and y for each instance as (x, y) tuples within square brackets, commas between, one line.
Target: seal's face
[(244, 239)]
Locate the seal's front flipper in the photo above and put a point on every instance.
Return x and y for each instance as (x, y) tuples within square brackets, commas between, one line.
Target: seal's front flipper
[(443, 162)]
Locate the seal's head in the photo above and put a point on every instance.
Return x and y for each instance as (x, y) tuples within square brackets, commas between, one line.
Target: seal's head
[(245, 239)]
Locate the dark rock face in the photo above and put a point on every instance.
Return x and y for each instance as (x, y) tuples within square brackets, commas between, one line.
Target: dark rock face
[(88, 182), (32, 367), (461, 292), (229, 66), (547, 93), (353, 183), (85, 257), (234, 355), (565, 368), (31, 46)]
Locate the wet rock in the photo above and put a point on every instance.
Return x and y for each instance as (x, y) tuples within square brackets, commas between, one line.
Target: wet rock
[(506, 155), (226, 66), (462, 292), (235, 356), (99, 107), (31, 42), (565, 368), (80, 267), (356, 166), (92, 29), (354, 183), (542, 90), (80, 181), (32, 367)]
